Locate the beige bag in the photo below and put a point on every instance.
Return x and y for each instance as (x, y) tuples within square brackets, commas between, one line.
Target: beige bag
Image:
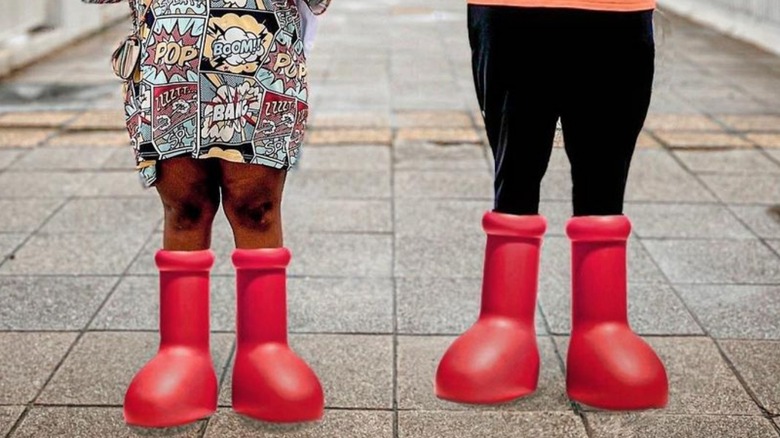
[(127, 57)]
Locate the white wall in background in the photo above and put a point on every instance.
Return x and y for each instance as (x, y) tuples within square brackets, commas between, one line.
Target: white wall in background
[(30, 29), (755, 21)]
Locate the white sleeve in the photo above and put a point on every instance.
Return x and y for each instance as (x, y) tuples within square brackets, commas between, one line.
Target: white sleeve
[(309, 23)]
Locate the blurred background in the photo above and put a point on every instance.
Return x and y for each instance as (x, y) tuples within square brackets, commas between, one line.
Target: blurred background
[(383, 218)]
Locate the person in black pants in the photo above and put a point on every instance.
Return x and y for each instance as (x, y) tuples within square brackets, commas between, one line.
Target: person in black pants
[(592, 70)]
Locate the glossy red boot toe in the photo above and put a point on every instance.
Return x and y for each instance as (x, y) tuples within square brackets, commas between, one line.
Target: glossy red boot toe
[(610, 367), (495, 361), (177, 387), (179, 384), (271, 383)]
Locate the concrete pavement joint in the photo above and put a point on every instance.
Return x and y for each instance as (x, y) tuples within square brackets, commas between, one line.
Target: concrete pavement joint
[(708, 335), (73, 344)]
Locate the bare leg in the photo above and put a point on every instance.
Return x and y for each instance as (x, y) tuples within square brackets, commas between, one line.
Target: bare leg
[(189, 190), (252, 200)]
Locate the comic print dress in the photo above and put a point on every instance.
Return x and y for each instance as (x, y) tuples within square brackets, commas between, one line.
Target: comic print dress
[(217, 79)]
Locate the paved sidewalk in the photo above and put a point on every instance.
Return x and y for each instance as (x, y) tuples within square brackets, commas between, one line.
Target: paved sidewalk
[(383, 218)]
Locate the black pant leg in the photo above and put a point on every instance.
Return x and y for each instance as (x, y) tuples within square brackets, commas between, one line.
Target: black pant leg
[(514, 66), (606, 97)]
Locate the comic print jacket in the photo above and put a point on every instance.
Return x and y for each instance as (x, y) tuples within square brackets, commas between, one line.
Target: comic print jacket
[(217, 79)]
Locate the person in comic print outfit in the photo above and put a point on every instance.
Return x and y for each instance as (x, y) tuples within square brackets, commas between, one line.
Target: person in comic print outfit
[(216, 112)]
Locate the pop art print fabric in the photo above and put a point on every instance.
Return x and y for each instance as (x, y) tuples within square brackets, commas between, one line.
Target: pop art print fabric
[(217, 79)]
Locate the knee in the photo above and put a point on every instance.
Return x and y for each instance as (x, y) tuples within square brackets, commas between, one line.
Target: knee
[(191, 212), (258, 210)]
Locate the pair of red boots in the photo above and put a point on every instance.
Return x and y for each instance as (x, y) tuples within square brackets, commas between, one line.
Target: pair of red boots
[(179, 385), (497, 359)]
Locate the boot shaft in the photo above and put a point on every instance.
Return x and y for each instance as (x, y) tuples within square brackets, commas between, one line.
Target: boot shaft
[(184, 297), (261, 286), (598, 269), (511, 269)]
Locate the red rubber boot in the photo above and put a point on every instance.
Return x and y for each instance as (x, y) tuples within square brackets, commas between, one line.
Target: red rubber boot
[(270, 382), (497, 359), (608, 365), (178, 385)]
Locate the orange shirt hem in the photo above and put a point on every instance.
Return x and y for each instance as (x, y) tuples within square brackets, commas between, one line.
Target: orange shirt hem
[(593, 5)]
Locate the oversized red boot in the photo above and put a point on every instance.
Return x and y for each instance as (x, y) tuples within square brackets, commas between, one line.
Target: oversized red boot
[(178, 385), (608, 365), (270, 382), (497, 359)]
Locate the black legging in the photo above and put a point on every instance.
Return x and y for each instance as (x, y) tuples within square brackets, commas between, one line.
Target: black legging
[(593, 70)]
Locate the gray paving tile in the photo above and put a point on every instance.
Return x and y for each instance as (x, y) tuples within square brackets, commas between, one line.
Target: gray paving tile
[(356, 371), (25, 215), (700, 381), (557, 214), (8, 156), (656, 176), (63, 159), (457, 257), (556, 186), (685, 221), (8, 243), (745, 189), (353, 184), (440, 217), (348, 305), (135, 305), (419, 356), (735, 311), (349, 255), (335, 424), (428, 156), (749, 161), (121, 158), (31, 185), (556, 262), (75, 254), (101, 366), (758, 362), (441, 305), (606, 425), (104, 216), (559, 161), (338, 158), (715, 261), (28, 360), (653, 309), (443, 184), (50, 303), (775, 244), (490, 424), (763, 220), (774, 153), (8, 416), (89, 422), (337, 215), (111, 184)]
